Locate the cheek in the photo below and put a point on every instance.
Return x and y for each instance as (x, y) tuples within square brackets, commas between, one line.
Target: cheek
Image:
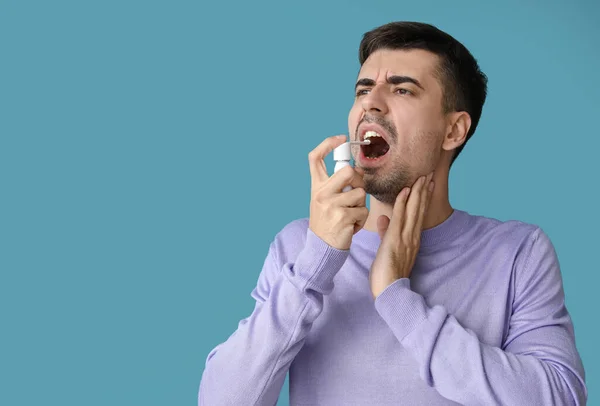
[(353, 118), (416, 113), (427, 148), (420, 140), (407, 119), (407, 123)]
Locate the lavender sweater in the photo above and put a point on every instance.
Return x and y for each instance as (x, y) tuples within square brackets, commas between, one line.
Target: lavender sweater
[(481, 321)]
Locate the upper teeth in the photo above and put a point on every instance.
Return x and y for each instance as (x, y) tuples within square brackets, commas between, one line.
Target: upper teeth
[(370, 134)]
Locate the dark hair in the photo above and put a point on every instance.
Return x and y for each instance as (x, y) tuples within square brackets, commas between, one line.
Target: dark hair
[(464, 85)]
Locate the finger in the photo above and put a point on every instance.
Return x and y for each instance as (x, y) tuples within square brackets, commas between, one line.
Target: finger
[(398, 212), (383, 222), (412, 207), (342, 178), (318, 170), (360, 171), (359, 216), (425, 197), (353, 198)]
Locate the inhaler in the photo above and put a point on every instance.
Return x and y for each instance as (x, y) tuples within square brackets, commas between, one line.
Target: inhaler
[(342, 157)]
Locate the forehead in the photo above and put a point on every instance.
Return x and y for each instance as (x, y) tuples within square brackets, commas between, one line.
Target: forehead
[(417, 63)]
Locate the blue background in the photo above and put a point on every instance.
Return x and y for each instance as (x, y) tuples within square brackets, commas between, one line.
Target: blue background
[(150, 151)]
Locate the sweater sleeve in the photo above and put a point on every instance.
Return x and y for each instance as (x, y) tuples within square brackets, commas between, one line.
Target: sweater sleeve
[(250, 367), (538, 363)]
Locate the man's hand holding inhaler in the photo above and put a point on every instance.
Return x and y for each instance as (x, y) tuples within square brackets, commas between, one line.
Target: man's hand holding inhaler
[(335, 216)]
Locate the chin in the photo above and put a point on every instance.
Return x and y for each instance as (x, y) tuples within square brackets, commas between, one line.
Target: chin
[(383, 190)]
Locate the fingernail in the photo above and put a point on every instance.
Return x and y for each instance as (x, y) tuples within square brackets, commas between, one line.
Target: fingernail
[(431, 186)]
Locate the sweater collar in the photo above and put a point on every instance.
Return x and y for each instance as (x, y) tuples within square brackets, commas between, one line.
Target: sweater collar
[(448, 230)]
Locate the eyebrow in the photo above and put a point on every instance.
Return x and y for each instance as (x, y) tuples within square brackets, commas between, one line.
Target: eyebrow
[(392, 80)]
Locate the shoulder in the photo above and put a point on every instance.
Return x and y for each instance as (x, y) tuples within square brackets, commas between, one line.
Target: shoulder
[(515, 234), (526, 245), (284, 248), (290, 240), (520, 249)]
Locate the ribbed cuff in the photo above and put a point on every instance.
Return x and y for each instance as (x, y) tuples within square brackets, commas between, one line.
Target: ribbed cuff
[(318, 263), (401, 308)]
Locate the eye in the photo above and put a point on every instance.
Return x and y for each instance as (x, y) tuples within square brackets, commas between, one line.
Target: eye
[(361, 92), (404, 91)]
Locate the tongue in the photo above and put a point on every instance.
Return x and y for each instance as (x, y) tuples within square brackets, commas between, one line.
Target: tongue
[(378, 147)]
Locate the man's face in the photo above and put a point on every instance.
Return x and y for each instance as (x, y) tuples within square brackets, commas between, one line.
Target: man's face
[(399, 96)]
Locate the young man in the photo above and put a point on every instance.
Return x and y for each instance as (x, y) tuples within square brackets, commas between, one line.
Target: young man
[(411, 302)]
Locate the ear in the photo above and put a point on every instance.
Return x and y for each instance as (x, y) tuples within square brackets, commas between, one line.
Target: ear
[(458, 127)]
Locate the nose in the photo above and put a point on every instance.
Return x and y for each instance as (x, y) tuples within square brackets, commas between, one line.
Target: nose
[(374, 103)]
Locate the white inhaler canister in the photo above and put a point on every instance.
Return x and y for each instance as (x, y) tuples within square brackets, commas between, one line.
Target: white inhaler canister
[(342, 157)]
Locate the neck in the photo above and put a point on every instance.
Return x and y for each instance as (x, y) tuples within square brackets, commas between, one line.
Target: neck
[(438, 211)]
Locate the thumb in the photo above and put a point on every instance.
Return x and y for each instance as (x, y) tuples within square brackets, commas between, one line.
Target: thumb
[(383, 223)]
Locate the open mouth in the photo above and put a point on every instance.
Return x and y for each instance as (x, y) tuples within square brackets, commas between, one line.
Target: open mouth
[(377, 148)]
